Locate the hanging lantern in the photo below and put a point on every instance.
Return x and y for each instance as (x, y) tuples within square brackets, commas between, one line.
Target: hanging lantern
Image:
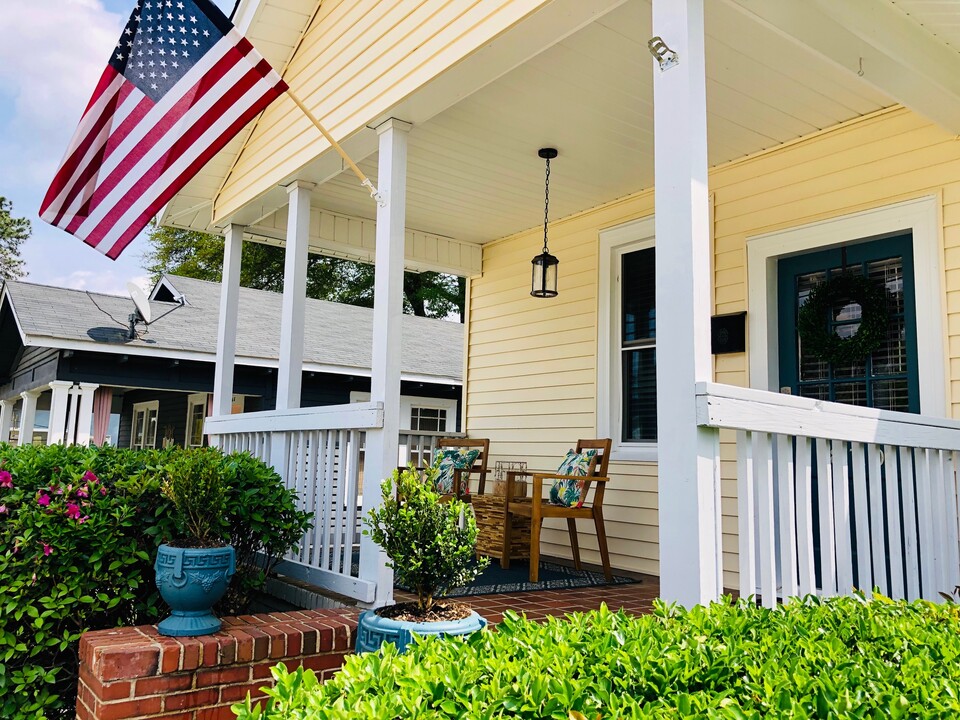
[(545, 265)]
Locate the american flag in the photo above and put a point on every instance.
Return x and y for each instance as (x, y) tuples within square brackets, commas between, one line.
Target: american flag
[(180, 84)]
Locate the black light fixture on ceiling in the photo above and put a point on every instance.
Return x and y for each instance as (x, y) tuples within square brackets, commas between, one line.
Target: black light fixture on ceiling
[(545, 265)]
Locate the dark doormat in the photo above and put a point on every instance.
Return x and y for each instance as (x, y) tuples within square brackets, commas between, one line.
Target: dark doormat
[(516, 579)]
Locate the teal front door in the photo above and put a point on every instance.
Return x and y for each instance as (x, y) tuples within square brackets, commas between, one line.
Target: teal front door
[(885, 379)]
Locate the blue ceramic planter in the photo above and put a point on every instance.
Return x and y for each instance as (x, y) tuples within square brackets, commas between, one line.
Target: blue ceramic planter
[(191, 581), (374, 630)]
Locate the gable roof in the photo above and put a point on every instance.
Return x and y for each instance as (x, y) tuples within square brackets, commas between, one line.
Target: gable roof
[(337, 337)]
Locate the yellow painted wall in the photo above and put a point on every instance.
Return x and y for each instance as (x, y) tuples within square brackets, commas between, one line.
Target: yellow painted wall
[(358, 59), (531, 367)]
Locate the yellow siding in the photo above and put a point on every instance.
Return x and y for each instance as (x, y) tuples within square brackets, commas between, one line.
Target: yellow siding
[(531, 370), (358, 59)]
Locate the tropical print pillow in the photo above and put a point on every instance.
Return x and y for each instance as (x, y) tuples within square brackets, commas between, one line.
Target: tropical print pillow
[(569, 493), (446, 461)]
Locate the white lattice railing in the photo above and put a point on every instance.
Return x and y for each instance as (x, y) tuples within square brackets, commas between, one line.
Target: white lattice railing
[(834, 497), (319, 453)]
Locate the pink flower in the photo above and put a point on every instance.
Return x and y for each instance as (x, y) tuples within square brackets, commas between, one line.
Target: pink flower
[(103, 490), (6, 480), (89, 477), (81, 493), (83, 519), (47, 550), (43, 499), (3, 509), (73, 511)]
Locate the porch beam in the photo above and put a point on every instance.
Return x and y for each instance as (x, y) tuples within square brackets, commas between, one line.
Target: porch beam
[(899, 57), (690, 570), (227, 322), (382, 447)]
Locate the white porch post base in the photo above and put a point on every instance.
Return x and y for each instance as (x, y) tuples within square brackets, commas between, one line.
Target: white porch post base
[(227, 322), (85, 413), (59, 398), (382, 445), (690, 555), (28, 415), (6, 419)]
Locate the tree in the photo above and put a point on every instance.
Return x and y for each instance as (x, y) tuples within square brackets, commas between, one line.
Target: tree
[(200, 255), (13, 232)]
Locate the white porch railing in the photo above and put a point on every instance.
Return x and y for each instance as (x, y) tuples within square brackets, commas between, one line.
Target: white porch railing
[(876, 489), (318, 452)]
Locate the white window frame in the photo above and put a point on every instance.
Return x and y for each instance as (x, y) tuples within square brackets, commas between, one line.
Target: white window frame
[(614, 243), (408, 402), (144, 407), (193, 401), (921, 217)]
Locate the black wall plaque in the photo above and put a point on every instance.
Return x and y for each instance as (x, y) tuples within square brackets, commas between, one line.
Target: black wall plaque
[(728, 333)]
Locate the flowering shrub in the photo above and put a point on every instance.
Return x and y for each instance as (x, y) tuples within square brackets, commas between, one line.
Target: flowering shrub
[(79, 528)]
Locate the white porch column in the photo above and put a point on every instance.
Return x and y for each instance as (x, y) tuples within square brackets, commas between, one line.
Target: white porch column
[(28, 416), (227, 323), (383, 444), (60, 397), (85, 413), (690, 556), (6, 419), (290, 372)]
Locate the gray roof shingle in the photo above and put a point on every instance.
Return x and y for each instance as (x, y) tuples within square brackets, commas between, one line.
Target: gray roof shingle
[(336, 336)]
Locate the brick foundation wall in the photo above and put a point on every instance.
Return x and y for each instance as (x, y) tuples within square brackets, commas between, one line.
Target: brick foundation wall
[(131, 673)]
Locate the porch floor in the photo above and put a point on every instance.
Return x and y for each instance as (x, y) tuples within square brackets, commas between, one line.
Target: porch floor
[(636, 599)]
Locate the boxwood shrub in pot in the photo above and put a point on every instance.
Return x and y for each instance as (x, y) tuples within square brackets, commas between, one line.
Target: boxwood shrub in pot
[(432, 549), (194, 569)]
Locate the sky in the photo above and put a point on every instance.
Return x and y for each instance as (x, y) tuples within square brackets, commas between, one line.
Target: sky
[(52, 53)]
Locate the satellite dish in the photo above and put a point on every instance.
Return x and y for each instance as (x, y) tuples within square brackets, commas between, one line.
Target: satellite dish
[(143, 313), (139, 298)]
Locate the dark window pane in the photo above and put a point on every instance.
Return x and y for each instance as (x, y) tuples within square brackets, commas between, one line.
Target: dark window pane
[(639, 401), (639, 291)]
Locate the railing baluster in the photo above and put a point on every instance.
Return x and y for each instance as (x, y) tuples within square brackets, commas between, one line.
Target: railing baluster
[(828, 551), (788, 522), (877, 542), (860, 515), (747, 514), (911, 534), (897, 551), (953, 527), (302, 453), (763, 469), (942, 546), (928, 568), (328, 494), (313, 479), (805, 559), (841, 517), (353, 504), (339, 451)]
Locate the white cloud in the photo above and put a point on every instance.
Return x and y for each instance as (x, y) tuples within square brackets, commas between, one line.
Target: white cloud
[(52, 54), (108, 281)]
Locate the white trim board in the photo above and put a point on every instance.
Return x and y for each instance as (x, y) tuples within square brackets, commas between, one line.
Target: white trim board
[(633, 235), (921, 217)]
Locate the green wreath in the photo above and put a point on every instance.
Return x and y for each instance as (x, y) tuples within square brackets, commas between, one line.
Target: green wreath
[(819, 339)]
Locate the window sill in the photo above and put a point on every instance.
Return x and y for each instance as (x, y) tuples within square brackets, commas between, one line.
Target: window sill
[(646, 452)]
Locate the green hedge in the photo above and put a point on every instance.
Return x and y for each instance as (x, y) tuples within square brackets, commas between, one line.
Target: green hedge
[(842, 658), (79, 528)]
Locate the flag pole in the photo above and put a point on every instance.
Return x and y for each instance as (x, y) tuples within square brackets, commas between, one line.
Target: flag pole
[(364, 180)]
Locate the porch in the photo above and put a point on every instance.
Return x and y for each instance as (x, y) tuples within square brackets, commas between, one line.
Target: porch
[(815, 144)]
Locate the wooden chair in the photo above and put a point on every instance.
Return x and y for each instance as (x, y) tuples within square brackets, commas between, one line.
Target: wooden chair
[(461, 478), (537, 508)]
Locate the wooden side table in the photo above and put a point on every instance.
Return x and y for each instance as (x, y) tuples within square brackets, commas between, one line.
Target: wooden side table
[(489, 511)]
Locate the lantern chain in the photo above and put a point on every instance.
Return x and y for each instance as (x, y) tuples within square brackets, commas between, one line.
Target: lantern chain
[(546, 205)]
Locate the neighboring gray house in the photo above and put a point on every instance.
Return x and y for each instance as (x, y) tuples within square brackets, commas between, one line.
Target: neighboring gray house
[(69, 372)]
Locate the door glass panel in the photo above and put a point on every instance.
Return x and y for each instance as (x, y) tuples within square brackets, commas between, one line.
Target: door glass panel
[(880, 380), (639, 400)]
